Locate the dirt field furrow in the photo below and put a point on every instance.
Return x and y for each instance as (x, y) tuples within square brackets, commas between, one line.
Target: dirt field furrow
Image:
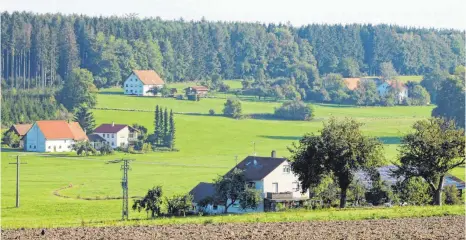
[(409, 228)]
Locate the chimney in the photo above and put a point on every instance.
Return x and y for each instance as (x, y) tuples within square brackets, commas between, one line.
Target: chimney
[(274, 154), (113, 124)]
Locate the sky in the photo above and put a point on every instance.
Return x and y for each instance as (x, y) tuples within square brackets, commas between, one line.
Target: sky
[(415, 13)]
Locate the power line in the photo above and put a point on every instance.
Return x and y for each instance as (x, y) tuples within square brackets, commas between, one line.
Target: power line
[(124, 185), (17, 179)]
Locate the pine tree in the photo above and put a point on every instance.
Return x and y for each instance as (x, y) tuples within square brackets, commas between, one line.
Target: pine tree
[(172, 131), (85, 118), (160, 124), (166, 134), (156, 124)]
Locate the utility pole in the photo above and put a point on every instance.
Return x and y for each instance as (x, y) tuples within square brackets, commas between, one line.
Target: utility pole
[(124, 185), (17, 179)]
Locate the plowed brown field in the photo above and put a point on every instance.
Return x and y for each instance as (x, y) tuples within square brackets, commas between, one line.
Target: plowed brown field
[(408, 228)]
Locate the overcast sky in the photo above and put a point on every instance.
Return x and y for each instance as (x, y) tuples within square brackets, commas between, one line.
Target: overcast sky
[(417, 13)]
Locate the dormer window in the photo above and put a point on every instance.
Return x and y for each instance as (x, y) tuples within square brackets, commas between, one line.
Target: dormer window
[(286, 169)]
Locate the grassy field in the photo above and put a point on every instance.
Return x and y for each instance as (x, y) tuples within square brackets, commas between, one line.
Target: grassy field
[(208, 146)]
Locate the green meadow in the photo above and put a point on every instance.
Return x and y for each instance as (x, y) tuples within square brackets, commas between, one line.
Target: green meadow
[(208, 147)]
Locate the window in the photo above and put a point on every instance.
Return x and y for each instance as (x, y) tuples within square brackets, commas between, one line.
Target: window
[(59, 147), (50, 147), (65, 141), (215, 207), (126, 85), (113, 144), (286, 169), (30, 146), (34, 146), (275, 187), (296, 186), (251, 185), (113, 135)]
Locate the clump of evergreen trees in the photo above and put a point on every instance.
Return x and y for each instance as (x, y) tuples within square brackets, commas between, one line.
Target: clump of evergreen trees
[(27, 106), (164, 125)]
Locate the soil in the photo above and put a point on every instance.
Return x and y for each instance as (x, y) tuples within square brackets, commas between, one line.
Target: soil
[(450, 227)]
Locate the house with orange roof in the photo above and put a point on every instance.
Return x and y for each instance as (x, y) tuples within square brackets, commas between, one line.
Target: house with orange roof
[(142, 82), (53, 136), (401, 90)]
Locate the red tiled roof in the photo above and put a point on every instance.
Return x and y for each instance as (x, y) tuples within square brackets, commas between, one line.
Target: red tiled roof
[(351, 83), (21, 129), (396, 84), (200, 88), (77, 131), (110, 128), (60, 129), (148, 77)]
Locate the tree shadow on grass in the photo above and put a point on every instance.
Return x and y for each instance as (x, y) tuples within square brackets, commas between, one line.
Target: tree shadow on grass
[(291, 138), (111, 93), (390, 140)]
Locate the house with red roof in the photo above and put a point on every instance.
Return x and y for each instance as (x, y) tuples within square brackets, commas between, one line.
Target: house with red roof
[(20, 130), (142, 83), (53, 136), (117, 135)]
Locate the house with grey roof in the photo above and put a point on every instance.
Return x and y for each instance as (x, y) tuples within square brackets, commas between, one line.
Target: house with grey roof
[(271, 176)]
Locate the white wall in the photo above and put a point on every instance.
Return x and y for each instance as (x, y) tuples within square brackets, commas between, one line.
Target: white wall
[(64, 145), (119, 139), (134, 86), (385, 87), (286, 181)]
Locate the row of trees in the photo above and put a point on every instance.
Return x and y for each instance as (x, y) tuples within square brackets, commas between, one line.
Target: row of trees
[(340, 150), (41, 50), (164, 128), (152, 202)]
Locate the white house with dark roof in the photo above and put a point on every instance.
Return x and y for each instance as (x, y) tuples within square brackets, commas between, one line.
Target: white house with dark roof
[(271, 176), (140, 83), (116, 135)]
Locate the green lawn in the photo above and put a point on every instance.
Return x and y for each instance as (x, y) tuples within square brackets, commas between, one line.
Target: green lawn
[(208, 146), (412, 78)]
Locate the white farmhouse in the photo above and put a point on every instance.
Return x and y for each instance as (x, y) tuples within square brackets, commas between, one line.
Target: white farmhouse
[(271, 176), (140, 82), (53, 136), (399, 87), (116, 135)]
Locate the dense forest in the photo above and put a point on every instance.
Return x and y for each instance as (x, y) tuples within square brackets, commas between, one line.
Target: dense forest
[(42, 49), (41, 53)]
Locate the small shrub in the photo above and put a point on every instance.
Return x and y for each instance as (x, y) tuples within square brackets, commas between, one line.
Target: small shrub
[(208, 221), (295, 110), (232, 108), (211, 112)]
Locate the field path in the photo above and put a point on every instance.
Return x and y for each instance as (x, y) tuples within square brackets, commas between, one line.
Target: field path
[(408, 228)]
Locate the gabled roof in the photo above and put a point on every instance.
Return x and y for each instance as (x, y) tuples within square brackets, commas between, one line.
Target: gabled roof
[(396, 84), (60, 129), (351, 83), (21, 129), (202, 190), (110, 128), (257, 168), (148, 77), (199, 88)]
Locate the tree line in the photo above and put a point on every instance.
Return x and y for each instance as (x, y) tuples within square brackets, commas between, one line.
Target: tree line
[(40, 50)]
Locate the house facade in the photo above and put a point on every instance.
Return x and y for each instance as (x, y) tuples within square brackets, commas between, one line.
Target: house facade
[(53, 136), (140, 83), (271, 176), (400, 89), (116, 135), (197, 90)]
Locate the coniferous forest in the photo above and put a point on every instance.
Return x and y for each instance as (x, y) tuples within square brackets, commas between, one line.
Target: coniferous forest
[(41, 50)]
